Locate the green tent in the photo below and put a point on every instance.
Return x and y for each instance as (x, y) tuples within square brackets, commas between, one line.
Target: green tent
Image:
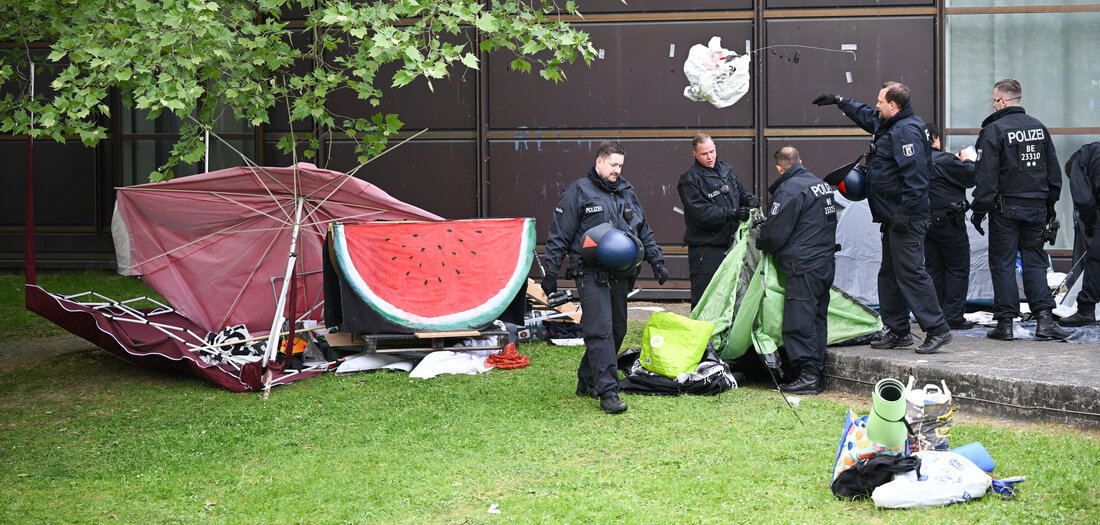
[(745, 303)]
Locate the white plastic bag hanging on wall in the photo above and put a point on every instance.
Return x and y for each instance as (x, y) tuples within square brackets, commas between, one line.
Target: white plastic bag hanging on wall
[(717, 75)]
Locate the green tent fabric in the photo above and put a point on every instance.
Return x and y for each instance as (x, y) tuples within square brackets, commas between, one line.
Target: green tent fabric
[(745, 303)]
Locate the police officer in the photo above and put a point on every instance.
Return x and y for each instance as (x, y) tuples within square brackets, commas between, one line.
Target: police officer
[(801, 231), (1083, 171), (1018, 183), (715, 202), (898, 170), (947, 245), (601, 197)]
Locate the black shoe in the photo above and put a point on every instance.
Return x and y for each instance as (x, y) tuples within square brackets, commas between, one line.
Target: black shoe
[(807, 384), (584, 390), (961, 325), (891, 340), (611, 403), (1081, 318), (1046, 328), (932, 343), (1003, 332)]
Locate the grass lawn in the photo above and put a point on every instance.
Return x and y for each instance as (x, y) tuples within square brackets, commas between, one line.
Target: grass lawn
[(88, 438)]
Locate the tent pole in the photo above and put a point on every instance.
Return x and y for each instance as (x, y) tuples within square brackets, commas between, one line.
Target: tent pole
[(276, 324), (28, 220)]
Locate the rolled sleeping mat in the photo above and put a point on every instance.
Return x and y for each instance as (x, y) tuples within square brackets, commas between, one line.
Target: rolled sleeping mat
[(886, 423)]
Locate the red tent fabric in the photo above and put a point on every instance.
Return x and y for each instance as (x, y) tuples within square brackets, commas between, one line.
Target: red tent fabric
[(215, 245)]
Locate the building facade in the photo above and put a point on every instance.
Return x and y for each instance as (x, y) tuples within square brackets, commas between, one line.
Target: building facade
[(500, 143)]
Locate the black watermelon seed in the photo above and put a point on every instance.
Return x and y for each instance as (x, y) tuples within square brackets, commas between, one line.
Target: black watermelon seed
[(422, 249), (439, 246), (449, 230), (387, 238), (473, 252), (421, 265), (454, 253), (458, 272), (478, 231), (439, 279), (441, 263), (407, 274), (416, 235), (394, 258), (410, 256), (425, 283), (460, 240)]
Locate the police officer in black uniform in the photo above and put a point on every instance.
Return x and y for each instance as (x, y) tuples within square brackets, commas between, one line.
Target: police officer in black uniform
[(601, 197), (898, 171), (715, 202), (1018, 183), (801, 231), (1083, 171), (947, 245)]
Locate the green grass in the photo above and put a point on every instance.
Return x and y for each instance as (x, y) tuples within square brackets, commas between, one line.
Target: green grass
[(18, 324), (88, 438)]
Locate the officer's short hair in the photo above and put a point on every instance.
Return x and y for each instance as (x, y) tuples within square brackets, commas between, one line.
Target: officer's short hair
[(608, 148), (1009, 88), (699, 139), (786, 157), (933, 132), (896, 92)]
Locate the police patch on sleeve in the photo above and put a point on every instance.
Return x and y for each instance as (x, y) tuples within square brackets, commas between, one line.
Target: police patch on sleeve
[(908, 150), (775, 208)]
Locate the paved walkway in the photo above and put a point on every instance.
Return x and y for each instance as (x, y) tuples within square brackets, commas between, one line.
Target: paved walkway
[(1037, 381)]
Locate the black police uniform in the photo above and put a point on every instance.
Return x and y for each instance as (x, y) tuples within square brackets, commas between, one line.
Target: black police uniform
[(1083, 171), (801, 232), (1018, 178), (586, 203), (898, 171), (947, 245), (711, 197)]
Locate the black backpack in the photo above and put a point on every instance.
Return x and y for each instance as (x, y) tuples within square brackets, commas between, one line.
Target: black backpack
[(860, 479)]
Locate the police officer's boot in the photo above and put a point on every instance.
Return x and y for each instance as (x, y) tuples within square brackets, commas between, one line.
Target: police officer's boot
[(807, 384), (1086, 315), (1046, 328), (611, 403), (1003, 332)]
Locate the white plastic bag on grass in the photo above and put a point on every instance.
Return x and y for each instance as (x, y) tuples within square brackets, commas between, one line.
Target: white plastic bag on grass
[(945, 478)]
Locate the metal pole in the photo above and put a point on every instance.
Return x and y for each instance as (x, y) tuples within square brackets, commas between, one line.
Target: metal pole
[(276, 324)]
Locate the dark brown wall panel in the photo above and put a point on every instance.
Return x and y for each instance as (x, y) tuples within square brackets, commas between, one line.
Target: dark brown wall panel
[(655, 6), (64, 184), (817, 4), (900, 49), (636, 85), (527, 176), (819, 155), (438, 176), (449, 104)]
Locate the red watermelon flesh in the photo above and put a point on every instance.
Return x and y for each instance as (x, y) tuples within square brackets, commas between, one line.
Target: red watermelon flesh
[(445, 275)]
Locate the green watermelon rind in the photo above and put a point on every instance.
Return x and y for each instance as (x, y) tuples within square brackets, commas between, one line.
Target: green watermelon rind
[(465, 320)]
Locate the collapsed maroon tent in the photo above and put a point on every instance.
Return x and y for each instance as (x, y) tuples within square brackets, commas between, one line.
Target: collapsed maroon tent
[(218, 247)]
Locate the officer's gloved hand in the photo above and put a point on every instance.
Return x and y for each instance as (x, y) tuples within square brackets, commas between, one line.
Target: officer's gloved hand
[(659, 271), (900, 222), (976, 219), (1051, 213), (1087, 214), (826, 99), (741, 213), (550, 283), (753, 201)]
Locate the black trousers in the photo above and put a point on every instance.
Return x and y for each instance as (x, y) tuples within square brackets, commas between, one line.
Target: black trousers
[(904, 284), (947, 259), (603, 318), (1017, 229), (703, 261), (805, 318), (1090, 288)]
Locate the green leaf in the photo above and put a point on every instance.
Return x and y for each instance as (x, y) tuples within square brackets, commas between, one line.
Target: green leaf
[(521, 65), (470, 60)]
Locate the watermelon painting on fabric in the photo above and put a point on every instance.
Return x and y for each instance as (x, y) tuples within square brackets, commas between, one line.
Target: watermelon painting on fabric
[(427, 276)]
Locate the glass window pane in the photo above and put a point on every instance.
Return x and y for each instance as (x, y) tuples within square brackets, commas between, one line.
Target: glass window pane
[(142, 157), (1065, 146), (222, 156), (1009, 3), (1051, 54)]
